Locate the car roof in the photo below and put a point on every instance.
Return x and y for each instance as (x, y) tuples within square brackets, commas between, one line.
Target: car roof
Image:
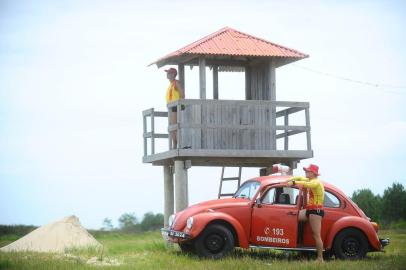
[(278, 179)]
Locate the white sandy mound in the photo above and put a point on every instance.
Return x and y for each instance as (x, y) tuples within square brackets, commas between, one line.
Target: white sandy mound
[(58, 236)]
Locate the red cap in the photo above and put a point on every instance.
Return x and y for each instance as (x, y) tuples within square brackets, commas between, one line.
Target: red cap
[(312, 168), (172, 70)]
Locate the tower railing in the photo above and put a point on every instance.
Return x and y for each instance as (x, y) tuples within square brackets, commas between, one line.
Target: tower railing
[(230, 124)]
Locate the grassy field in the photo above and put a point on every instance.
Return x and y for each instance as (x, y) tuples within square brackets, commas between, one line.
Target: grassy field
[(148, 251)]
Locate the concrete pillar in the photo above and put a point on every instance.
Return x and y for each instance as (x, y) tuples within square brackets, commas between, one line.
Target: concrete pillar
[(168, 194), (181, 186)]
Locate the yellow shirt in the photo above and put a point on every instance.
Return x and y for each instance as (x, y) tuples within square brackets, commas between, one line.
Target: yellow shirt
[(315, 191), (172, 94)]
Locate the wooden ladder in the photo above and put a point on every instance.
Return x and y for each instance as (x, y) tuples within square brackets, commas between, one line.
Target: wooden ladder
[(238, 178)]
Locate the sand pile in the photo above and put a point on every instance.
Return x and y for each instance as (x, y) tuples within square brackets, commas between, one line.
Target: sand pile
[(58, 236)]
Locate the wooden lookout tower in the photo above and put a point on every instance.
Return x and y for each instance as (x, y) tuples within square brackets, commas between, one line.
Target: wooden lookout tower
[(255, 132)]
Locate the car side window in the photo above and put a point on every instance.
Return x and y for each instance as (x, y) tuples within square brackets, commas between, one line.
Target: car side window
[(281, 195), (331, 200), (269, 196), (247, 190)]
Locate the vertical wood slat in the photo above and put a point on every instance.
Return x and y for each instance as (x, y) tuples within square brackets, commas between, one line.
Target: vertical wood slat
[(152, 133), (265, 81), (221, 129), (257, 132), (169, 133), (286, 138), (235, 131), (202, 77), (308, 137), (192, 130), (248, 95), (184, 131), (268, 133), (198, 112), (251, 131), (207, 112), (218, 121), (261, 119), (203, 126), (254, 89), (178, 121), (215, 82), (144, 121)]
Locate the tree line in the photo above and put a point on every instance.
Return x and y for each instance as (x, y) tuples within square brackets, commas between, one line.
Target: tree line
[(386, 209), (128, 222)]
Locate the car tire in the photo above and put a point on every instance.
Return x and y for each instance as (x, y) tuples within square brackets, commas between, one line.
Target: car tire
[(350, 244), (215, 242), (187, 247)]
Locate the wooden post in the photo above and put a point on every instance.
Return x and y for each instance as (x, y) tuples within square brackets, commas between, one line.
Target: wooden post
[(248, 95), (272, 96), (181, 72), (215, 82), (202, 77)]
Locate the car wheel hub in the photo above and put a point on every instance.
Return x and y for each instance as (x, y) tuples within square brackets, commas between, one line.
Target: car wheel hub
[(351, 247), (214, 243)]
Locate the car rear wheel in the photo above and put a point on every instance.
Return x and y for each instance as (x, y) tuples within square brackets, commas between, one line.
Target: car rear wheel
[(350, 244), (215, 241)]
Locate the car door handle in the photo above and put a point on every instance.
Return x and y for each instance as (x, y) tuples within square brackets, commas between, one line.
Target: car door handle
[(291, 213)]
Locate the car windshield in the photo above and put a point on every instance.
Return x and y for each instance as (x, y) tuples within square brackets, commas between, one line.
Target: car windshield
[(247, 190)]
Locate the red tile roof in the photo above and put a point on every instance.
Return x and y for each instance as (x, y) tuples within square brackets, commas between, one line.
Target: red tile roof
[(230, 42)]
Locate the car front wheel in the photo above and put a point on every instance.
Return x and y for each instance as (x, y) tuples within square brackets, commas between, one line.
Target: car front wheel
[(350, 244), (215, 241)]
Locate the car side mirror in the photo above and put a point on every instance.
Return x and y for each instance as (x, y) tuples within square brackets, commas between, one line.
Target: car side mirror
[(258, 202)]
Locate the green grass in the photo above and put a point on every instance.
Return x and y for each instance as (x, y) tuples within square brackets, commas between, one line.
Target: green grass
[(148, 251)]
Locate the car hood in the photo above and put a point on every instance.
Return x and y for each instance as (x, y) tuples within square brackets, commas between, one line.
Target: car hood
[(213, 205)]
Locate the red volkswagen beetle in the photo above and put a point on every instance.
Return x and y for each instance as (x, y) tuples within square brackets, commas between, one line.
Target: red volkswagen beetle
[(263, 213)]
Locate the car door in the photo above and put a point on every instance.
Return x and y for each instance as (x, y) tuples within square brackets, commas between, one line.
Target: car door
[(333, 210), (274, 218)]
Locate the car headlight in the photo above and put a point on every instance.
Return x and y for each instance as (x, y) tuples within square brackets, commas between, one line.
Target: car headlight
[(189, 223), (171, 219)]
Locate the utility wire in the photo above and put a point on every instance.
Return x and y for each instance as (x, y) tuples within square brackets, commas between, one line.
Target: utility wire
[(376, 85)]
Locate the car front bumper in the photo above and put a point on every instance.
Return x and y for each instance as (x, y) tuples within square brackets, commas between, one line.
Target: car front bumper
[(384, 242), (174, 236)]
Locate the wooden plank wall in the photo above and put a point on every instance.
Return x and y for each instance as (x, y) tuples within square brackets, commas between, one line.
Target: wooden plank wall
[(226, 126), (259, 81)]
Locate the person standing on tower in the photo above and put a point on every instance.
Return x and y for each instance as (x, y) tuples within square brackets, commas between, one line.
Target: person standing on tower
[(173, 93)]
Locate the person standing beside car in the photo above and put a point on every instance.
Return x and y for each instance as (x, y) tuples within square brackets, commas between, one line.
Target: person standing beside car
[(173, 93), (313, 211)]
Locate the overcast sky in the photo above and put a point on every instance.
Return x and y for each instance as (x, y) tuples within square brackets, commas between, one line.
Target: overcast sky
[(74, 82)]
